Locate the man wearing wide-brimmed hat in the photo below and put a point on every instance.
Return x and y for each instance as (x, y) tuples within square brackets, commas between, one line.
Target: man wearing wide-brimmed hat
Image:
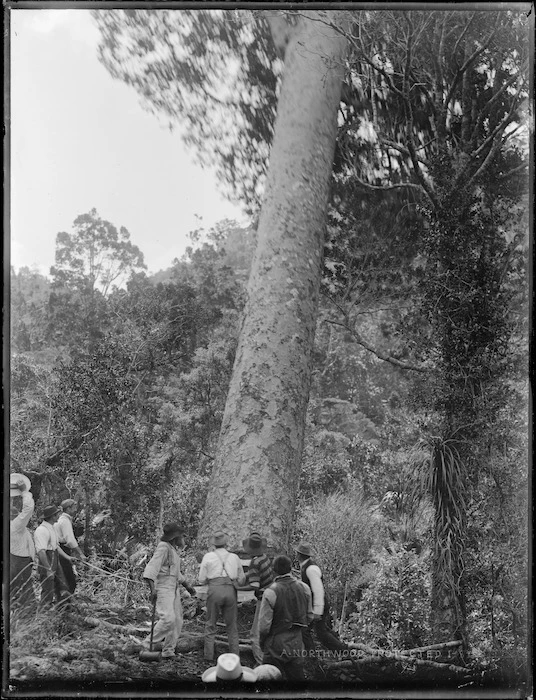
[(259, 576), (221, 570), (53, 584), (164, 578), (21, 545), (322, 623)]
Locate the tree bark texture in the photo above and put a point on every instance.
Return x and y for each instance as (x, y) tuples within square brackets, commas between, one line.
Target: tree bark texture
[(257, 465)]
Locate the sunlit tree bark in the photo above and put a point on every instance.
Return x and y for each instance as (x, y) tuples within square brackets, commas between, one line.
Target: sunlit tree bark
[(256, 472)]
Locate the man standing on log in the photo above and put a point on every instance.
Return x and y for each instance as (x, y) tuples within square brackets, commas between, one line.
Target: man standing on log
[(286, 610), (321, 624), (259, 576), (163, 576), (221, 569), (68, 542)]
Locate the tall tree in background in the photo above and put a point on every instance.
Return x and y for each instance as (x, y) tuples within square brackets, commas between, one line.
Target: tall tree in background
[(89, 262)]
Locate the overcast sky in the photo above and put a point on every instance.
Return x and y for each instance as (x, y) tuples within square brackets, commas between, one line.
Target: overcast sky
[(81, 140)]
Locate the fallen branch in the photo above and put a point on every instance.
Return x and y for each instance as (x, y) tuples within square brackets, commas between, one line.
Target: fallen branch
[(431, 647), (242, 646), (437, 664), (95, 622), (370, 660), (221, 638), (405, 658)]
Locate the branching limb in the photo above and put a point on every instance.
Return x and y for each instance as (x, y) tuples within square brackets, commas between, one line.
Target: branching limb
[(380, 355)]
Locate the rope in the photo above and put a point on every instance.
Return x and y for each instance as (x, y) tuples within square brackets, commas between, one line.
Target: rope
[(107, 573)]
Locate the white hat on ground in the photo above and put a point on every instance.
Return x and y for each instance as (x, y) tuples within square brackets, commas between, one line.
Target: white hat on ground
[(267, 672), (229, 668)]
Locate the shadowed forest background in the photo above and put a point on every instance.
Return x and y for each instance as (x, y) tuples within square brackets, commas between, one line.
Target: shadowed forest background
[(412, 476)]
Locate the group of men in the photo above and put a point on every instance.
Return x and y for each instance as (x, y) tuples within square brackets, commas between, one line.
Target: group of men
[(53, 545), (288, 612)]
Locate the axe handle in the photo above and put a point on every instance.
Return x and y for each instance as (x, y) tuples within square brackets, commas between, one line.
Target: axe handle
[(152, 625)]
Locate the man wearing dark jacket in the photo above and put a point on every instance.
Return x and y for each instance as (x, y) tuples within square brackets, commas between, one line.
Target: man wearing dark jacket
[(286, 610), (322, 624)]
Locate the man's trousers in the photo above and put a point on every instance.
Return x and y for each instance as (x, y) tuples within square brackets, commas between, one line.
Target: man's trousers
[(67, 568), (286, 651), (169, 612), (53, 587), (254, 635), (221, 597)]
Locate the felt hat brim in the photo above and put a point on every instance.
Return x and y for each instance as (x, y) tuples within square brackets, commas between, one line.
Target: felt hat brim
[(260, 549), (49, 515), (304, 548), (13, 478), (210, 676), (219, 540)]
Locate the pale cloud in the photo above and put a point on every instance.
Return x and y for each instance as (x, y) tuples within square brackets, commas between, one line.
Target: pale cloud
[(77, 23)]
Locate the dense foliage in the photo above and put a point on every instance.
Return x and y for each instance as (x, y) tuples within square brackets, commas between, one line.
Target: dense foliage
[(414, 478)]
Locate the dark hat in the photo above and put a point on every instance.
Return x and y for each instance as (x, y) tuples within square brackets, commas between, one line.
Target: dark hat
[(219, 538), (254, 544), (171, 530), (305, 549), (67, 503), (49, 511)]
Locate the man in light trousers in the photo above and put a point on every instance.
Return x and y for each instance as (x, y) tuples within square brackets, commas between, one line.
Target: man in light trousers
[(163, 575)]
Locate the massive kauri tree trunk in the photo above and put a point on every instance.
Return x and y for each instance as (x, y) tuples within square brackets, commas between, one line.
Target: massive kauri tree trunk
[(256, 471)]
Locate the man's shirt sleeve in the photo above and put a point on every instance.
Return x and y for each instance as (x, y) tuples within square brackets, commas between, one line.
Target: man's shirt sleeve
[(23, 518), (203, 578), (240, 575), (41, 539), (67, 533), (317, 588), (309, 601), (266, 613), (155, 564), (253, 578)]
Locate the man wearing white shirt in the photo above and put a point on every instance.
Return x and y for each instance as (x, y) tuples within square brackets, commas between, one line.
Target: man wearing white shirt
[(68, 542), (53, 582), (220, 569), (22, 551), (322, 625)]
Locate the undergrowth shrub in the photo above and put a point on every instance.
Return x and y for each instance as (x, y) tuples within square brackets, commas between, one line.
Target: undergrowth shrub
[(340, 526), (395, 608)]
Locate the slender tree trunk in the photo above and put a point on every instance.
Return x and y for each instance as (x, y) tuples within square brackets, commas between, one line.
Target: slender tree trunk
[(256, 472)]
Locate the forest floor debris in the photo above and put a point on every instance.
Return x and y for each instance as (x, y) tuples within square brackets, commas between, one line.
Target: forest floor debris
[(93, 642)]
